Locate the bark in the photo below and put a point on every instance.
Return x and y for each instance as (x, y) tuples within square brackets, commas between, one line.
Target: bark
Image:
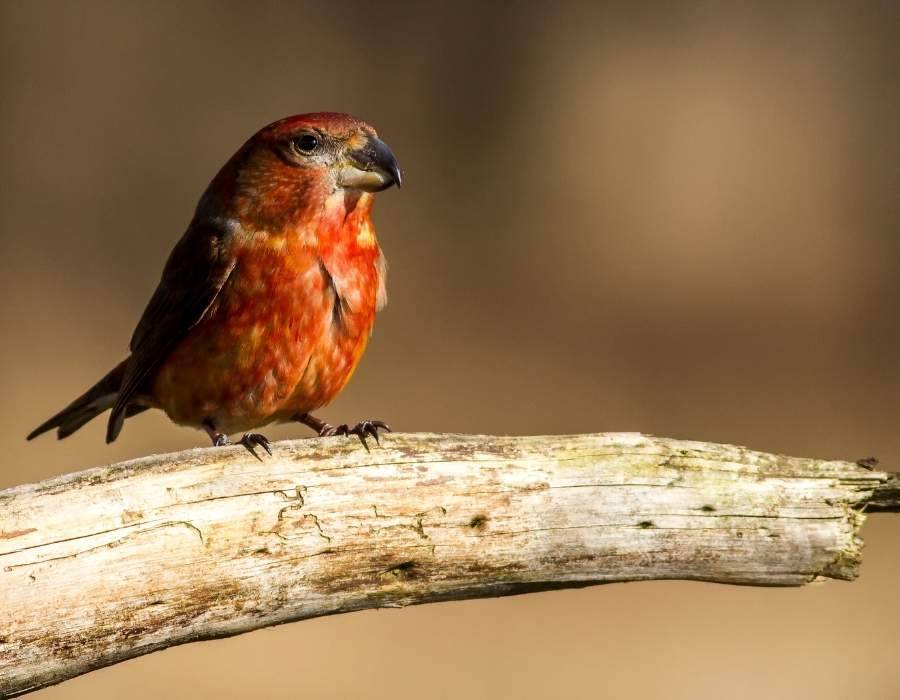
[(114, 562)]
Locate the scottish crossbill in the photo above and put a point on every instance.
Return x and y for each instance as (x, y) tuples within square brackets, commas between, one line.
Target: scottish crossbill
[(267, 302)]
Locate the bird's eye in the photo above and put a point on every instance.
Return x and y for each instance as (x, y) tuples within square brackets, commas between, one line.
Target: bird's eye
[(306, 143)]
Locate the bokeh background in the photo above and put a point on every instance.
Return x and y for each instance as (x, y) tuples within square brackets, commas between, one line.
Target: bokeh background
[(675, 218)]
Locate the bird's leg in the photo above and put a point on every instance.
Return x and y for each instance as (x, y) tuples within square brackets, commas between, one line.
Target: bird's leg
[(218, 439), (362, 430), (317, 424), (321, 427)]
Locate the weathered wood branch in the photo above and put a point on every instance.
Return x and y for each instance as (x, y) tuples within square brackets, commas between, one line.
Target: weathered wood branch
[(114, 562)]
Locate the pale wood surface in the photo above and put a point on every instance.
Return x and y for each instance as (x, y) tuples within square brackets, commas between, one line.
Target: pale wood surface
[(118, 561)]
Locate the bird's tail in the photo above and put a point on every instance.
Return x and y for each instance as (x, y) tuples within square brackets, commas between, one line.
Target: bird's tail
[(89, 405)]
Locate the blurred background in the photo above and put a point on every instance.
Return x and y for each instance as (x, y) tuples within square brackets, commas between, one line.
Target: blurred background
[(680, 219)]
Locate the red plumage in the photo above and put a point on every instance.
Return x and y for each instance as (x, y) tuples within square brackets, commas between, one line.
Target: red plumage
[(266, 303)]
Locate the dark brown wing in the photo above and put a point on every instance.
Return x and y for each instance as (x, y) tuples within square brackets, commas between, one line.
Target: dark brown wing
[(196, 270)]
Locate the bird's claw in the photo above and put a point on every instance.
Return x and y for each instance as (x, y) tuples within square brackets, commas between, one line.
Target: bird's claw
[(253, 440), (363, 429), (220, 440)]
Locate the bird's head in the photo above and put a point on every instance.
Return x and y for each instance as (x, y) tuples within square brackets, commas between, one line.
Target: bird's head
[(290, 168)]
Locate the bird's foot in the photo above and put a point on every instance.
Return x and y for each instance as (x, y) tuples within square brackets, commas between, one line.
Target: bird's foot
[(253, 440), (250, 440), (363, 429)]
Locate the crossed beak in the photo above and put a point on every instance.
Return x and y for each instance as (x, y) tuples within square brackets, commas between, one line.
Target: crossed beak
[(371, 168)]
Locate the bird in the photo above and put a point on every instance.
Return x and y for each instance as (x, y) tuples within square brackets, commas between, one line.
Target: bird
[(267, 302)]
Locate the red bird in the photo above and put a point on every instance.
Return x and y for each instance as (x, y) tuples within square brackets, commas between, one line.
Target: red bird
[(267, 302)]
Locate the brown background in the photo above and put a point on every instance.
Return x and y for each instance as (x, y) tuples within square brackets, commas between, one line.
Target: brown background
[(679, 219)]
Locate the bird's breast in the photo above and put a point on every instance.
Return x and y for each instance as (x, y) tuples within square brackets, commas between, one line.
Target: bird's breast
[(283, 336)]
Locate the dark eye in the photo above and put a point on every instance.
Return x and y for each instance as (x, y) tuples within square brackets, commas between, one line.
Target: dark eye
[(306, 143)]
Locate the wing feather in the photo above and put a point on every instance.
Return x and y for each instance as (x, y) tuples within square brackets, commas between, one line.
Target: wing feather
[(197, 269)]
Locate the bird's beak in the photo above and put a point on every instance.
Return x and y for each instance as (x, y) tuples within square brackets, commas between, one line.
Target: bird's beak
[(371, 167)]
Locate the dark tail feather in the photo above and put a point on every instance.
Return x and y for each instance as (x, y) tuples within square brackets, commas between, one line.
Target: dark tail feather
[(90, 404)]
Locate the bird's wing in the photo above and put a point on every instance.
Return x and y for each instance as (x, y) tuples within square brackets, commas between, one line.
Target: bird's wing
[(196, 271)]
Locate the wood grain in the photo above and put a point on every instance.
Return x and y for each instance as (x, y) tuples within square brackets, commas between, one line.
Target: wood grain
[(110, 563)]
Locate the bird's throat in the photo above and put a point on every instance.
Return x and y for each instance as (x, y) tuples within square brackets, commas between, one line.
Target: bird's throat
[(346, 222)]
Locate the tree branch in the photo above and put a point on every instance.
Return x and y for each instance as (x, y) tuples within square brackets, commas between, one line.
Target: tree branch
[(111, 563)]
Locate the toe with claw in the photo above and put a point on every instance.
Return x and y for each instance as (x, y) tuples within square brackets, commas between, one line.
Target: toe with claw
[(253, 440), (363, 429)]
